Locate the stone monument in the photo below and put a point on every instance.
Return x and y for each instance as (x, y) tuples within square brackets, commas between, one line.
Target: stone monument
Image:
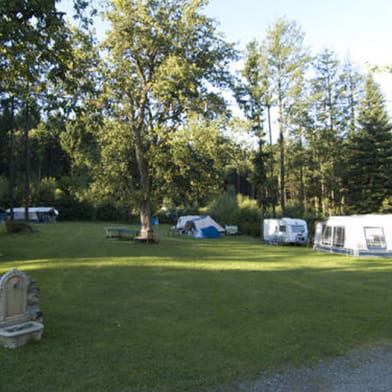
[(20, 316)]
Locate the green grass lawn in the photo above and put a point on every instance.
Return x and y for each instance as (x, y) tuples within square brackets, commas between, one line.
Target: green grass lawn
[(185, 314)]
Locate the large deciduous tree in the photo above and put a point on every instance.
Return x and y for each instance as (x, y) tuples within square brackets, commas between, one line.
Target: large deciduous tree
[(162, 59)]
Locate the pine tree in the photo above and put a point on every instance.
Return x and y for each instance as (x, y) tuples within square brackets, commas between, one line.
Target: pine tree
[(369, 170), (327, 96), (287, 59)]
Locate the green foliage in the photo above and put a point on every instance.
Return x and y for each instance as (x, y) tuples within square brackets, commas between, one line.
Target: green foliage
[(72, 209), (294, 209), (37, 60), (18, 227), (187, 167), (239, 210), (248, 216), (173, 214), (225, 209), (142, 125), (161, 56), (369, 171), (4, 191), (108, 212), (386, 207), (287, 61), (44, 191)]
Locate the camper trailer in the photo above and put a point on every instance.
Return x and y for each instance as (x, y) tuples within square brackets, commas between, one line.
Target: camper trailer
[(357, 235), (36, 214), (285, 231)]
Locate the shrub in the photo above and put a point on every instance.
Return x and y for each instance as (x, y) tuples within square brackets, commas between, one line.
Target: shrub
[(44, 191), (225, 208), (386, 207), (293, 210), (18, 227), (72, 209), (166, 217), (172, 215), (107, 212), (249, 216)]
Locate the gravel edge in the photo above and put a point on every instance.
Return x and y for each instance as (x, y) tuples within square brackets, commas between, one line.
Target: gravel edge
[(362, 370)]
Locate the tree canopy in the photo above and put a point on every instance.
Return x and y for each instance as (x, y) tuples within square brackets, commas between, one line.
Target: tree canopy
[(141, 120)]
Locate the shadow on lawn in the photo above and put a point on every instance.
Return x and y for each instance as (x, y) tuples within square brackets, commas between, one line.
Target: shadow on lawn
[(185, 314), (229, 253), (136, 327)]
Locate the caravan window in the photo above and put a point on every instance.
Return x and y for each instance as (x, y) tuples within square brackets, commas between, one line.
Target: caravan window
[(298, 228), (375, 238), (338, 236), (326, 238), (282, 229)]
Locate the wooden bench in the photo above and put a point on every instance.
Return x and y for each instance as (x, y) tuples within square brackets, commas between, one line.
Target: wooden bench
[(120, 232)]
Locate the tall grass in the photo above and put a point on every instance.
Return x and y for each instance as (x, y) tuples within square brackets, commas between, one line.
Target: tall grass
[(185, 314)]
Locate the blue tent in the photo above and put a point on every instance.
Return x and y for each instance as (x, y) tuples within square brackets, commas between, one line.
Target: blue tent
[(210, 232)]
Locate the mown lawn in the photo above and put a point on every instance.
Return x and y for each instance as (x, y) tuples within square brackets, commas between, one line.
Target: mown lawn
[(185, 314)]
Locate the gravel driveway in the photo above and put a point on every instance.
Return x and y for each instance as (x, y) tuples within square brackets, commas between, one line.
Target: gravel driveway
[(365, 370)]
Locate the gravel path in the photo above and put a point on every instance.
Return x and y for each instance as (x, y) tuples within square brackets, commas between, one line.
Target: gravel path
[(365, 370)]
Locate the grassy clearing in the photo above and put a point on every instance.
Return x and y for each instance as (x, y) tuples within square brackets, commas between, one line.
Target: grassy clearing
[(185, 314)]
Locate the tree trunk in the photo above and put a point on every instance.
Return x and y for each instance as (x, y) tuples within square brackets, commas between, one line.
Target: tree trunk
[(271, 159), (146, 231), (27, 164), (301, 187), (282, 171), (11, 169), (282, 151), (262, 216)]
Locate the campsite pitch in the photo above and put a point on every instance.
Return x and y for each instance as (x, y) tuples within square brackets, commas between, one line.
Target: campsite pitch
[(185, 314)]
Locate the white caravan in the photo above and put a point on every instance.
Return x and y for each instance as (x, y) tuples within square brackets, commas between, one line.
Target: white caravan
[(357, 235), (36, 214), (285, 231)]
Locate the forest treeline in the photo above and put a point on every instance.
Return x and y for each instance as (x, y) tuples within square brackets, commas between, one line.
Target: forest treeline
[(139, 121)]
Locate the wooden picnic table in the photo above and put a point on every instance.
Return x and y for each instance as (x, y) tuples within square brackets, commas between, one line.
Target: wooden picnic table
[(120, 232)]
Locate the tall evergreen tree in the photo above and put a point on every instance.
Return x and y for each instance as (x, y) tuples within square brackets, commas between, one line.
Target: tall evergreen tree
[(369, 163), (253, 97), (327, 94), (287, 60), (351, 93)]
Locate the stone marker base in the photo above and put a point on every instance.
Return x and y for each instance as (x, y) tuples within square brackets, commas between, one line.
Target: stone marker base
[(19, 334)]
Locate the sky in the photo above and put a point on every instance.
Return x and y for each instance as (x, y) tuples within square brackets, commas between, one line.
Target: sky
[(361, 29), (358, 30)]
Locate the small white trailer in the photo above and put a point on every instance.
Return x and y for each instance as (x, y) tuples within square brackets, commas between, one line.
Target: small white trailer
[(285, 231), (36, 214), (357, 235)]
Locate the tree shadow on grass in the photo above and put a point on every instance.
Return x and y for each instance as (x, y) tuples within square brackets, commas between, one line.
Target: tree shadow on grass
[(168, 327)]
